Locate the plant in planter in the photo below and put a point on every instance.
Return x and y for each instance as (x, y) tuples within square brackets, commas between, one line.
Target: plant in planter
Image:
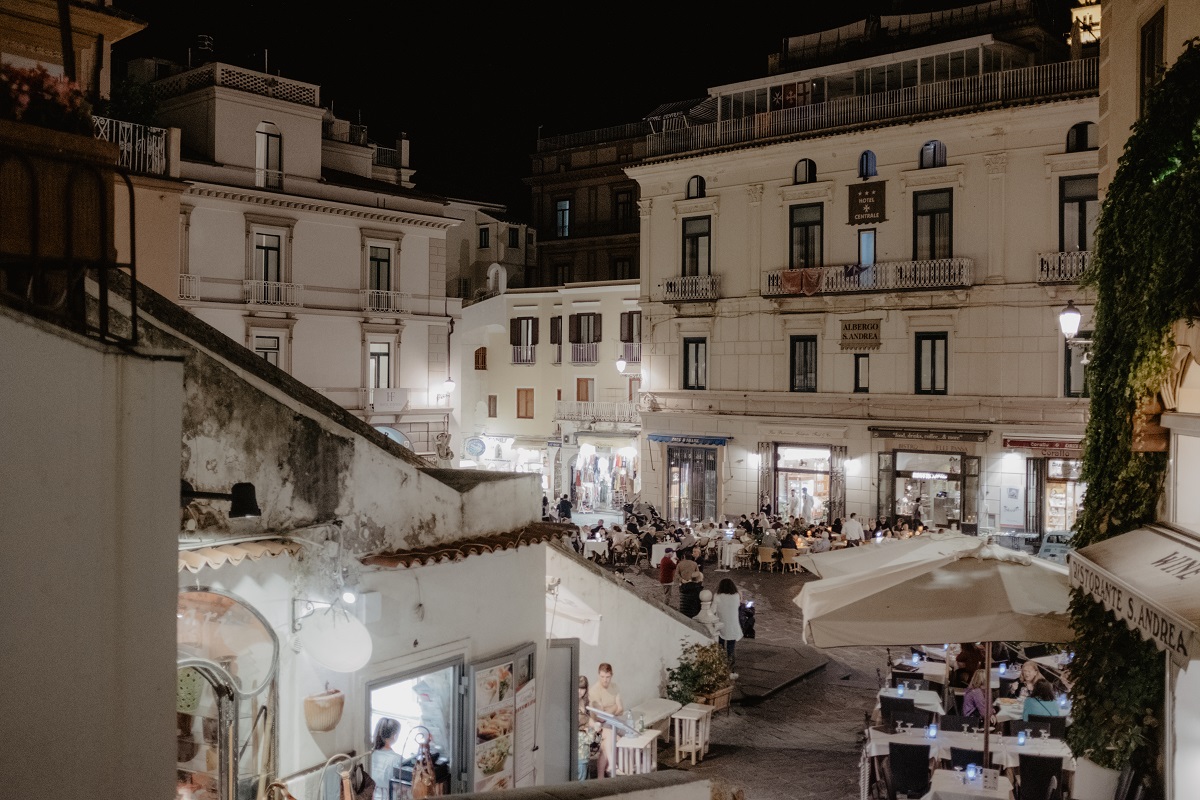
[(34, 96), (702, 672)]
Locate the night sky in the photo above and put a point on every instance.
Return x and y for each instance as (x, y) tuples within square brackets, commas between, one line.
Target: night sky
[(471, 86)]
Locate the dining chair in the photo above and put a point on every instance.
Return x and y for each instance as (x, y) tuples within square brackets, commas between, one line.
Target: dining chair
[(918, 717), (913, 684), (791, 559), (766, 558), (962, 756), (1057, 725), (1039, 777), (907, 773), (957, 722), (1035, 728), (890, 705)]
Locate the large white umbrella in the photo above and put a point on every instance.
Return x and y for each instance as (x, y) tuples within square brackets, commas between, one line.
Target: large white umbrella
[(882, 552)]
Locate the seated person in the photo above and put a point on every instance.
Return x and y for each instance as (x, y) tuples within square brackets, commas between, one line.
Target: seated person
[(648, 540), (970, 658), (821, 544), (1030, 675), (974, 702), (790, 541), (770, 538), (1041, 703)]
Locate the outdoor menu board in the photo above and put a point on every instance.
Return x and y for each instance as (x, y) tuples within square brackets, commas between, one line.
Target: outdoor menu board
[(503, 714), (526, 709)]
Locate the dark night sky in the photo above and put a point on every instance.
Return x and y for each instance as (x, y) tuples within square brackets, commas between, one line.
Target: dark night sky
[(470, 85)]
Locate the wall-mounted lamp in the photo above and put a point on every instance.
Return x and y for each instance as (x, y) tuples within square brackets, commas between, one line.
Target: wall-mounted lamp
[(243, 501), (1068, 323)]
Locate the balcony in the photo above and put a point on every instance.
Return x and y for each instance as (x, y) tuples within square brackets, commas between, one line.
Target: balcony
[(884, 276), (1061, 80), (584, 353), (243, 80), (387, 401), (524, 354), (1063, 267), (142, 149), (584, 411), (380, 302), (557, 353), (272, 293), (189, 287), (632, 352), (687, 288)]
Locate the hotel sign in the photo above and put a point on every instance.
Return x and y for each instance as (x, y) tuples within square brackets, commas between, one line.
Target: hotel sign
[(866, 202), (860, 334)]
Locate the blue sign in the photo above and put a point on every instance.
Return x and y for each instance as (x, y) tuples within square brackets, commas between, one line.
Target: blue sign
[(672, 438)]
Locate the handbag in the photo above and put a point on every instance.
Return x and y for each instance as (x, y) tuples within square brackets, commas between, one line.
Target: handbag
[(424, 781), (357, 784)]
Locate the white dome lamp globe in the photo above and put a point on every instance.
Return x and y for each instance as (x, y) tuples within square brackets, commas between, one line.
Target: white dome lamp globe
[(336, 640)]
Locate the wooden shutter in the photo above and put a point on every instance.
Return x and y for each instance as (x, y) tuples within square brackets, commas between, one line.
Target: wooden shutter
[(635, 324), (626, 327), (535, 321), (556, 330), (514, 331), (573, 328), (596, 334)]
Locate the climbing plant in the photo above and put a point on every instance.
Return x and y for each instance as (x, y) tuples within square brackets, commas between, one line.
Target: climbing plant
[(1146, 273)]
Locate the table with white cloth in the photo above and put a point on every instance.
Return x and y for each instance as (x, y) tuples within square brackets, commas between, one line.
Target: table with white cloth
[(948, 785), (729, 549), (593, 546), (1013, 708), (935, 671), (923, 699), (658, 551)]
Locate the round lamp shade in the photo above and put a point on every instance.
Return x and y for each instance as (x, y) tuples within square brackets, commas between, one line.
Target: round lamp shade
[(336, 640)]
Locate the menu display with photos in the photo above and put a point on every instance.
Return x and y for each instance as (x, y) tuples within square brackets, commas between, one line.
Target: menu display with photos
[(495, 709), (526, 710)]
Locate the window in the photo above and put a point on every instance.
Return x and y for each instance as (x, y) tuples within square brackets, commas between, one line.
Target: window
[(1083, 136), (862, 364), (866, 165), (268, 347), (1079, 209), (267, 250), (931, 363), (695, 363), (806, 171), (268, 157), (524, 403), (379, 371), (933, 154), (1151, 58), (379, 269), (584, 328), (556, 338), (585, 389), (491, 401), (932, 217), (807, 234), (1075, 369), (523, 331), (631, 326), (514, 237), (696, 245), (866, 247), (485, 237), (804, 364), (695, 187), (562, 218), (623, 205), (481, 358), (622, 268), (562, 273)]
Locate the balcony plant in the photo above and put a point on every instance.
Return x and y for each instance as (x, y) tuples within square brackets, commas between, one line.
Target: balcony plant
[(702, 675), (33, 96)]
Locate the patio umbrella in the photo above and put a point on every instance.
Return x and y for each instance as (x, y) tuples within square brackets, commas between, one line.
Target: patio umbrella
[(877, 553), (985, 594)]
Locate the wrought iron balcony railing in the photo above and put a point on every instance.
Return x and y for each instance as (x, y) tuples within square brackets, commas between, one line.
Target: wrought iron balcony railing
[(584, 353), (585, 411), (691, 287), (632, 352), (884, 276), (524, 354), (272, 293), (1063, 267), (142, 148)]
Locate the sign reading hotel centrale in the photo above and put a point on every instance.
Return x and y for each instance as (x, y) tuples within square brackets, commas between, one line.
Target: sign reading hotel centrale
[(860, 334), (866, 202)]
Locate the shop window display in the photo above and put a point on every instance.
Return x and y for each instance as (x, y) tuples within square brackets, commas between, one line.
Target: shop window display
[(929, 488), (1064, 493), (802, 482), (604, 477)]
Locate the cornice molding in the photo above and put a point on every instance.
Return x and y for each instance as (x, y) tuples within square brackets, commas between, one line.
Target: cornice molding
[(373, 215)]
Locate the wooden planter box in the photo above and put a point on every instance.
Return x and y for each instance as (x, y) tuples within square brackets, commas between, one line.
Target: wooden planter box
[(719, 699)]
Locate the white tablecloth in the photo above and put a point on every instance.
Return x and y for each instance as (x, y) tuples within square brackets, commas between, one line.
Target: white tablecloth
[(729, 548), (1003, 751), (935, 671), (591, 546), (948, 785), (658, 551), (923, 699)]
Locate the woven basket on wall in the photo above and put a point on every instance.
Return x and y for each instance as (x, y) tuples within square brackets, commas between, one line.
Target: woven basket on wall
[(323, 711)]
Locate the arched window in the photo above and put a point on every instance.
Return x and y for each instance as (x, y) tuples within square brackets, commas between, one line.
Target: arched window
[(1082, 136), (695, 187), (481, 358), (866, 165), (933, 154), (806, 171)]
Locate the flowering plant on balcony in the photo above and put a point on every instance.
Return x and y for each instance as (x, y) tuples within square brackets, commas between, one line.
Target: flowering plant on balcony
[(34, 96)]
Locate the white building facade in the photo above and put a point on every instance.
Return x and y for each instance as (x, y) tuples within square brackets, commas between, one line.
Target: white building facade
[(862, 307)]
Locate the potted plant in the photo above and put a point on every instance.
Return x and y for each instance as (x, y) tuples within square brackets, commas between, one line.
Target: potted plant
[(701, 676)]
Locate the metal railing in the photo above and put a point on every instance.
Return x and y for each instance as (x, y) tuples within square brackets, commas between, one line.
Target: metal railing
[(189, 287), (385, 302), (1008, 87), (386, 157), (524, 354), (142, 148), (632, 352), (584, 353), (557, 353), (340, 130), (244, 80), (1063, 267), (587, 411), (632, 130), (942, 273), (691, 287), (272, 293)]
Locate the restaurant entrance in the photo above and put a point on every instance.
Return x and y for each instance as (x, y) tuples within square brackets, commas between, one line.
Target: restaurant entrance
[(691, 483), (940, 490), (808, 481)]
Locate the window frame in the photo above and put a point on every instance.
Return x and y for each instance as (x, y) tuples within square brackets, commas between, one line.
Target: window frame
[(485, 237), (1151, 60), (262, 351), (631, 326), (862, 373), (514, 236), (373, 267), (493, 404), (258, 268), (622, 268), (695, 363), (933, 338), (481, 358), (1086, 244), (525, 401), (810, 242), (697, 244), (379, 364), (623, 205), (932, 155), (696, 188), (918, 215), (798, 381), (1088, 131), (804, 172), (562, 217), (868, 166), (268, 156)]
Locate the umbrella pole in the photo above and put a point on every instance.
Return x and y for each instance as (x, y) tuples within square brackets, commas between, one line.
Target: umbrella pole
[(987, 706)]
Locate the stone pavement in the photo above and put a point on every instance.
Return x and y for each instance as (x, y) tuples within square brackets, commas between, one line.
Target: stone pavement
[(795, 727)]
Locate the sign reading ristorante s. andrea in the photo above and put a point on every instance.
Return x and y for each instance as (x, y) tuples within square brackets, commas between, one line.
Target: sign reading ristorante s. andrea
[(860, 334), (866, 202)]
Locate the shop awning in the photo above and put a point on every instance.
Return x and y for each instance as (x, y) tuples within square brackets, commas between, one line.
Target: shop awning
[(219, 555), (682, 438), (1149, 578)]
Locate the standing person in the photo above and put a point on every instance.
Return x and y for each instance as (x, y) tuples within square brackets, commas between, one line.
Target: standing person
[(689, 594), (806, 503), (545, 506), (605, 696), (589, 726), (726, 604), (564, 508), (852, 529), (969, 659), (385, 762), (666, 573)]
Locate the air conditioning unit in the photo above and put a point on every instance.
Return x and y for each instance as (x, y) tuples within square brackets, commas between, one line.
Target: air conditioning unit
[(389, 400)]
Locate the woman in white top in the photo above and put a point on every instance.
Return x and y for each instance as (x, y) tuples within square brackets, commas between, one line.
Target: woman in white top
[(726, 604), (384, 760)]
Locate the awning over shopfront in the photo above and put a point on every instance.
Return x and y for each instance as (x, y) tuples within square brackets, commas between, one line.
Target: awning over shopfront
[(1150, 579), (683, 438), (216, 557)]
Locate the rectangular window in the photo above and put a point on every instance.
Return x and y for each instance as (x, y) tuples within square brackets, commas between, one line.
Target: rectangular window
[(1075, 369), (379, 269), (524, 403), (804, 364), (492, 406), (807, 235), (584, 328), (562, 273), (1079, 209), (622, 269), (930, 364), (623, 206), (631, 326), (932, 223), (379, 366), (695, 363), (268, 158), (485, 237), (523, 331), (514, 237), (696, 245), (562, 218), (267, 249), (585, 389), (862, 372), (268, 347), (1150, 58), (866, 247)]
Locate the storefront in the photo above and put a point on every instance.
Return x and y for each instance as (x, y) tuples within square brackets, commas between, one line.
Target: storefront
[(1053, 490), (692, 471), (604, 473), (808, 481), (932, 478)]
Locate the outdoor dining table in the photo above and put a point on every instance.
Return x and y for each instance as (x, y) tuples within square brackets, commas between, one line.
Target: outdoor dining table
[(656, 713), (935, 671), (1004, 750), (594, 546), (923, 699), (729, 549), (948, 785), (1013, 708)]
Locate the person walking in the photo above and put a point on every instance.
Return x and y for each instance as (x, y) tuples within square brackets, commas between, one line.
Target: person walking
[(564, 508), (666, 574), (726, 604), (689, 594), (852, 529)]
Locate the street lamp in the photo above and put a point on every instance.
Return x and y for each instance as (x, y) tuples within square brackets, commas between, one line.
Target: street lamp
[(620, 364), (1068, 323)]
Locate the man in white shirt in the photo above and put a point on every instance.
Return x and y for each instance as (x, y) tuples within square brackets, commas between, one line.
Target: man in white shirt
[(852, 529)]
